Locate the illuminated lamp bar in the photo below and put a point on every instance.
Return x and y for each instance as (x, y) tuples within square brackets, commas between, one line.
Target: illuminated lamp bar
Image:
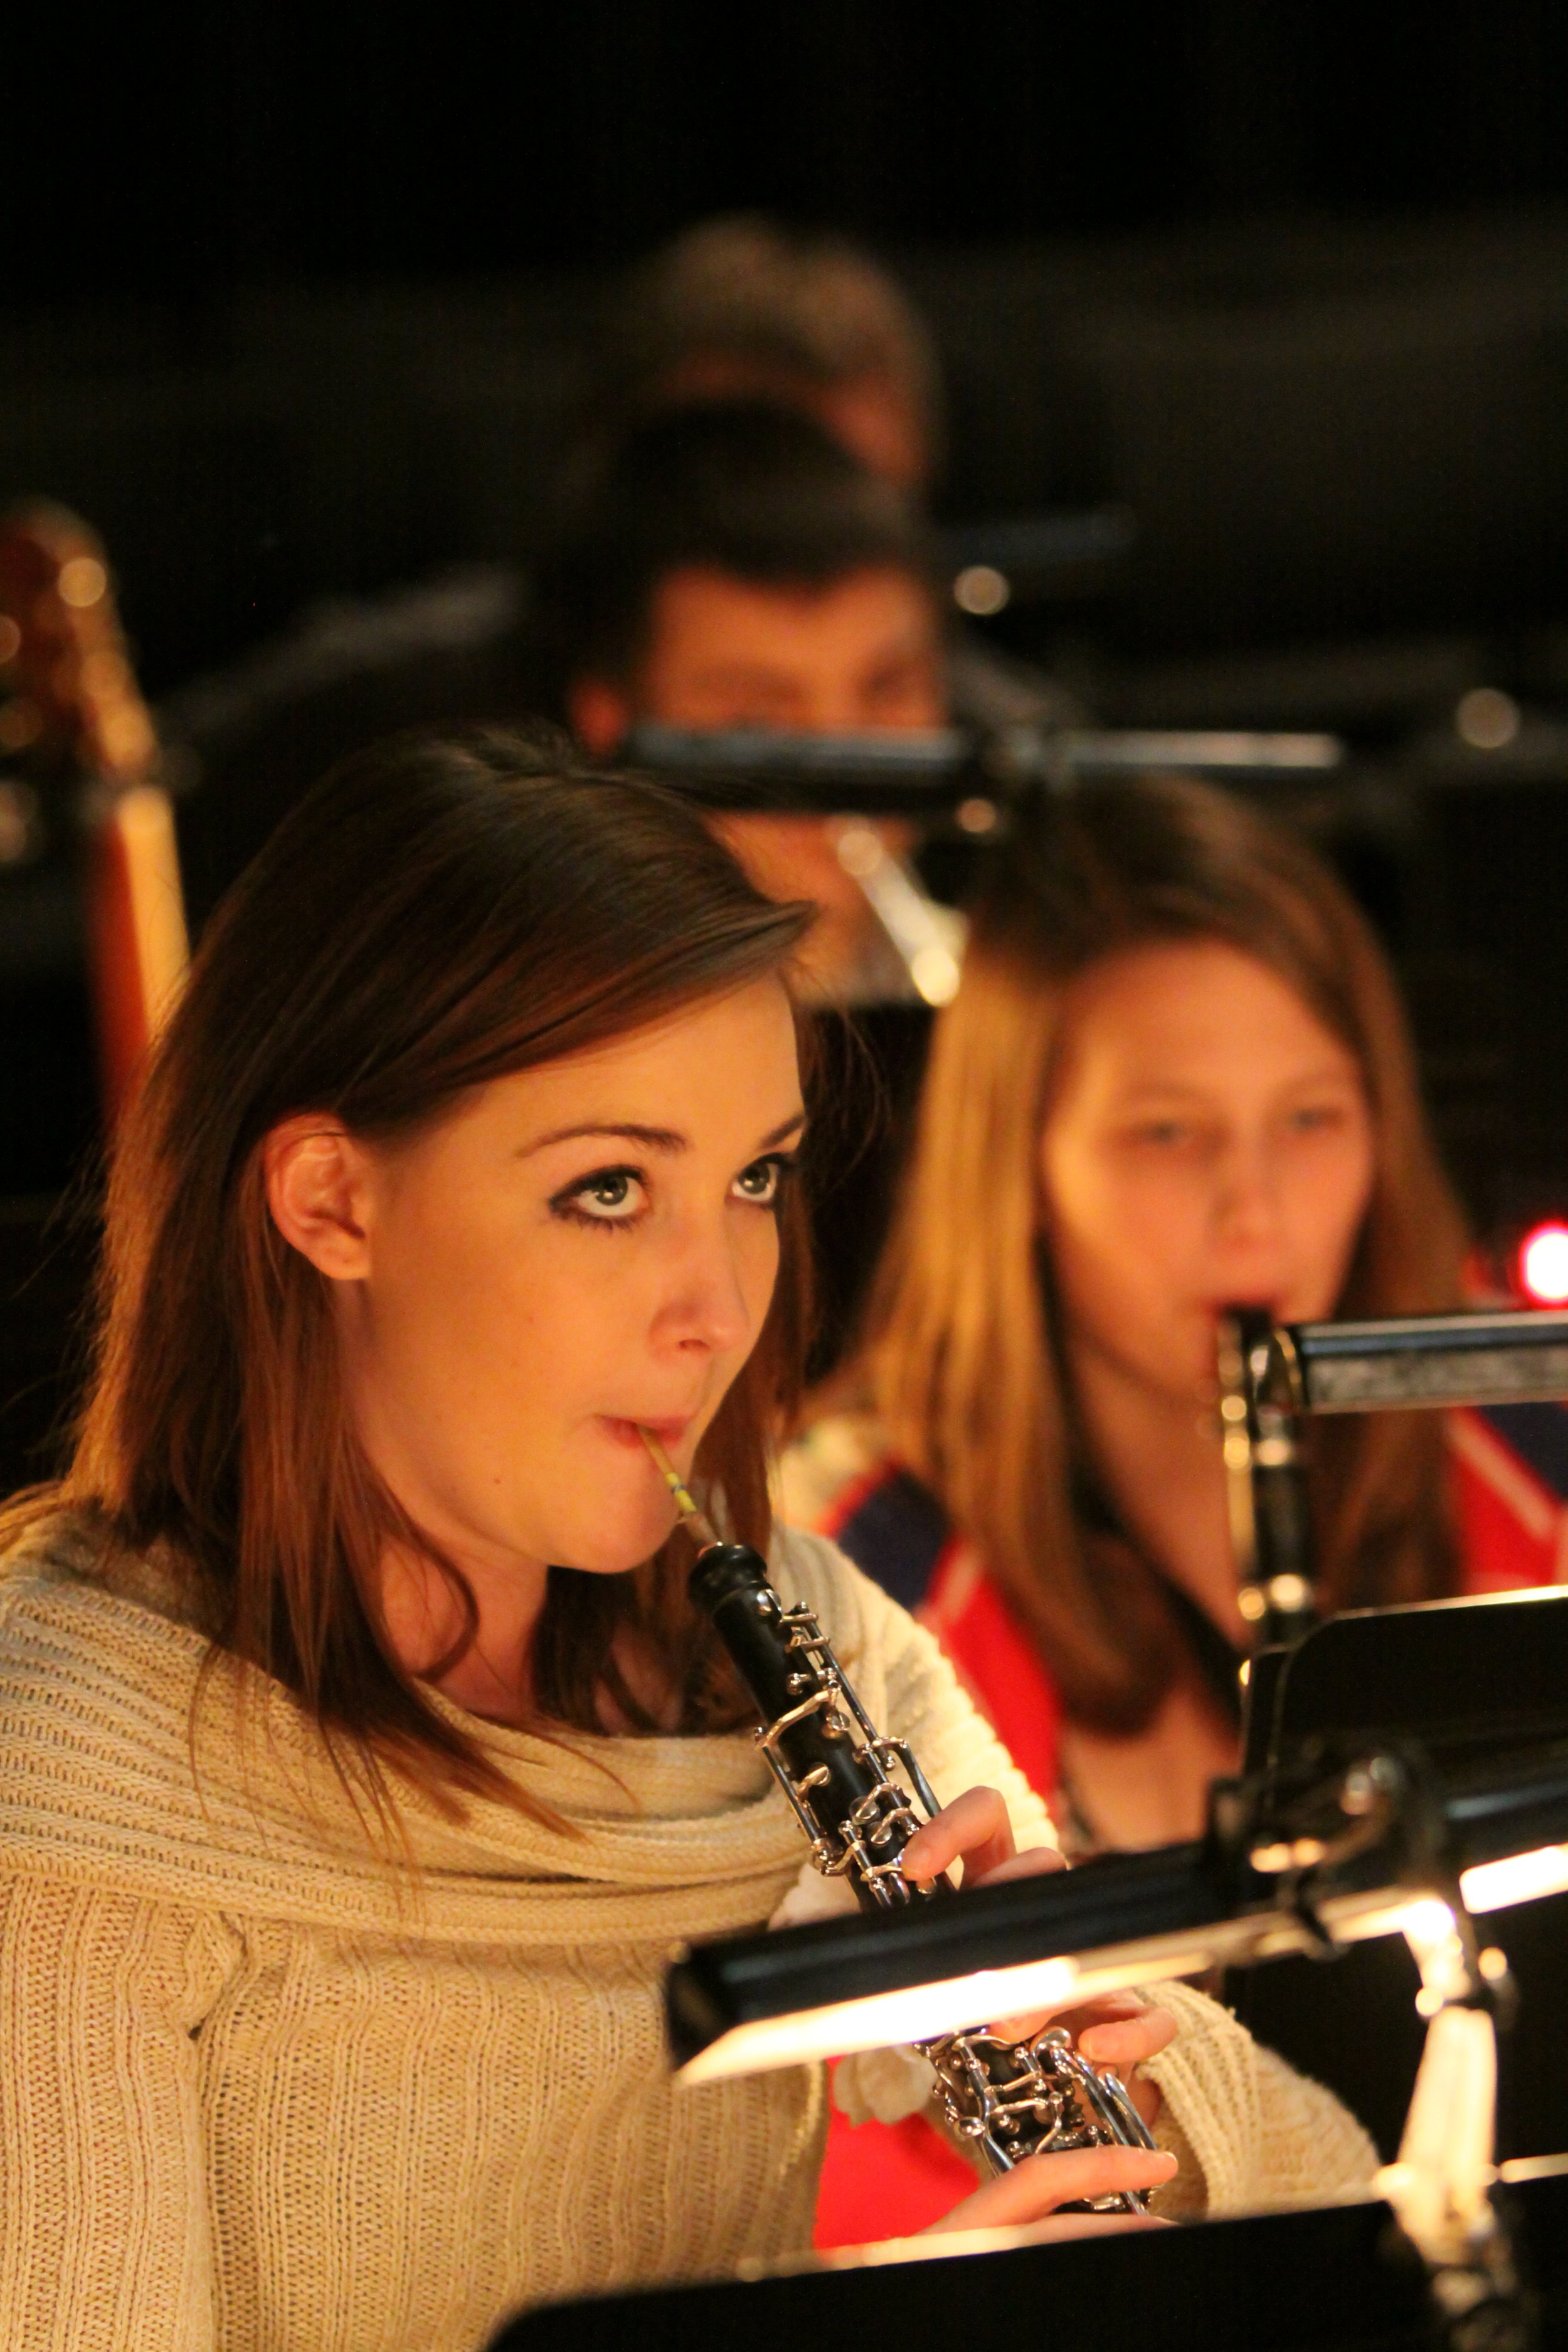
[(749, 2003)]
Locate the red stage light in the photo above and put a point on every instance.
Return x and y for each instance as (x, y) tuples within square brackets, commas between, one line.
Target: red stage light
[(1544, 1263)]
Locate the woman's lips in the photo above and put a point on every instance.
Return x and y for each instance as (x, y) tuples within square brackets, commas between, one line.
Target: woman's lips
[(629, 1433)]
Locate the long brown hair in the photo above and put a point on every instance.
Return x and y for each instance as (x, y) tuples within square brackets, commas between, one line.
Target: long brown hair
[(968, 1372), (434, 915)]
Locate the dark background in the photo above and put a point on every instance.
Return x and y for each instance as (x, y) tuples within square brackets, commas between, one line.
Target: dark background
[(290, 303), (177, 152)]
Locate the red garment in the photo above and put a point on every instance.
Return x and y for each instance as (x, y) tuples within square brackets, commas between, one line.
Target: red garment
[(886, 2181), (883, 2180), (1513, 1524)]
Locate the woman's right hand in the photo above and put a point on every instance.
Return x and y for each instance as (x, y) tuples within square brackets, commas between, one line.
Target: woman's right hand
[(1036, 2188)]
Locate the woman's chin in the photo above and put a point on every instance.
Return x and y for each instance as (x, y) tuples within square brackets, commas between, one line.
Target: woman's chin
[(614, 1550)]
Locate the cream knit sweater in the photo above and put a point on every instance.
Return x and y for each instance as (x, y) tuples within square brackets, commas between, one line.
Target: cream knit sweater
[(260, 2091)]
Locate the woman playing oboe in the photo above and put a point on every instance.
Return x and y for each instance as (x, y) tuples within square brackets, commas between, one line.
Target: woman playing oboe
[(360, 1756), (1176, 1078)]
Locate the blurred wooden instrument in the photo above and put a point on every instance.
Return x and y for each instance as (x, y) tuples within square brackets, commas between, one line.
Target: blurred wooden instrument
[(74, 724)]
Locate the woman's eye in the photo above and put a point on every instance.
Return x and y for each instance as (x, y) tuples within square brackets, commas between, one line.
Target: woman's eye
[(759, 1184), (611, 1196), (1312, 1118)]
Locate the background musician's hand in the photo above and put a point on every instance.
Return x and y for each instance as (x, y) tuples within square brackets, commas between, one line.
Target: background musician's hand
[(1036, 2187)]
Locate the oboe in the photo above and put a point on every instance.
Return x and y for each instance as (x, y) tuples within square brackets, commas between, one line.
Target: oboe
[(1010, 2098)]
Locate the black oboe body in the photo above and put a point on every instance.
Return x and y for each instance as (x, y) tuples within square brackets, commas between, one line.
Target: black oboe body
[(829, 1759)]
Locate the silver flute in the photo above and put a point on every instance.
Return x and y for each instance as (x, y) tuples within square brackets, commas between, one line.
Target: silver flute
[(846, 1784)]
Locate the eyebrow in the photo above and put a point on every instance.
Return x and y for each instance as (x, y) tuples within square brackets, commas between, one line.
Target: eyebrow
[(1160, 1094), (653, 1138), (1163, 1090), (744, 675)]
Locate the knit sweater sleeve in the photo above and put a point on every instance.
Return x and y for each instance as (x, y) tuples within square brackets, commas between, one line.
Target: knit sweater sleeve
[(1251, 2135), (105, 2235)]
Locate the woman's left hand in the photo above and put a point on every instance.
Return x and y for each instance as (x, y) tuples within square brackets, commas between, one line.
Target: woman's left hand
[(1117, 2032), (975, 1831)]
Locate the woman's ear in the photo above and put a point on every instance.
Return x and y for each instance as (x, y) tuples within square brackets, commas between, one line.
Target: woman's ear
[(317, 1187)]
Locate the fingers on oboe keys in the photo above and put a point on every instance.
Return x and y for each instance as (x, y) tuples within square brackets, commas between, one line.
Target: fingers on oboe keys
[(977, 1831)]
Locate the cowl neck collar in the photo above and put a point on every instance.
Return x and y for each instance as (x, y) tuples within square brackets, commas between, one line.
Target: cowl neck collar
[(119, 1762)]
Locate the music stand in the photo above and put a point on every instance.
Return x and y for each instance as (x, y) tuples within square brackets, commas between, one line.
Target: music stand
[(1341, 2279)]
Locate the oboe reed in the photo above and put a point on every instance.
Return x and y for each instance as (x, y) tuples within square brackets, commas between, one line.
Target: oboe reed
[(701, 1526)]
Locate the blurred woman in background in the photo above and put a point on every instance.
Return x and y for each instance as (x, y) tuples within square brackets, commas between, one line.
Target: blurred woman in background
[(1176, 1078)]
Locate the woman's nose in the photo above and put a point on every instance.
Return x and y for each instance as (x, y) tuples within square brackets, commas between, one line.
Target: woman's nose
[(706, 1305), (1247, 1193)]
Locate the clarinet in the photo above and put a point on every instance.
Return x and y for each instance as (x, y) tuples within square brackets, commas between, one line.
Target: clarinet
[(845, 1783)]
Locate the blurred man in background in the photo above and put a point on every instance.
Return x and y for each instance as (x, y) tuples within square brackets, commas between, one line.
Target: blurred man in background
[(746, 309), (734, 567)]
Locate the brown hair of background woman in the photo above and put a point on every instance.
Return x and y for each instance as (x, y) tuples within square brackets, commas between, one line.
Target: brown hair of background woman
[(965, 1364), (434, 916)]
